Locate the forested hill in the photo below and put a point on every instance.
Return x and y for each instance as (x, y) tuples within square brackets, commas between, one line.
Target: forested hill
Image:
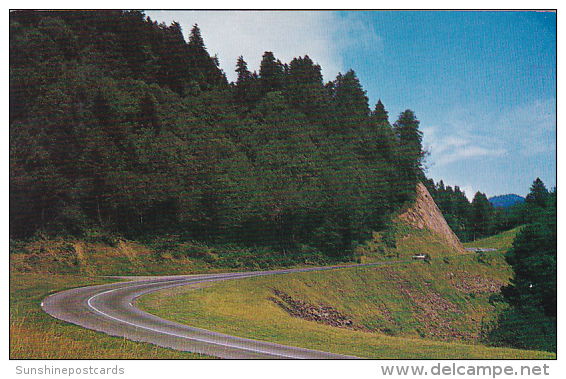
[(505, 201), (119, 124)]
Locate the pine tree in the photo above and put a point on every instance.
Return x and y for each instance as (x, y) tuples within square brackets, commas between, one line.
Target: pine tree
[(271, 73), (304, 89), (244, 75), (195, 39), (205, 68), (379, 114), (350, 100), (247, 91), (410, 154), (538, 194), (482, 215), (385, 138)]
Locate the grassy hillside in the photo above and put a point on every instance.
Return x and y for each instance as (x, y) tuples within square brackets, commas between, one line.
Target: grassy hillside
[(411, 309), (502, 241), (167, 255)]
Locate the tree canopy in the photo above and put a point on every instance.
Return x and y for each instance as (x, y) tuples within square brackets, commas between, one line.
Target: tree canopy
[(118, 123)]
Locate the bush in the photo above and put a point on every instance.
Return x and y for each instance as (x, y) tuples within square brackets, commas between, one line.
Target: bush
[(100, 236), (523, 328)]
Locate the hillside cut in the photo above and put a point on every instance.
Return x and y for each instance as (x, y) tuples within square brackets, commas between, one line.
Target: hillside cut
[(426, 214)]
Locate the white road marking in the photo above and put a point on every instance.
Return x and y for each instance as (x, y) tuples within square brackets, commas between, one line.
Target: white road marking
[(178, 335), (215, 277)]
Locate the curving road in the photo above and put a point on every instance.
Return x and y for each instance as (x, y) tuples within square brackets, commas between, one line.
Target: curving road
[(108, 308)]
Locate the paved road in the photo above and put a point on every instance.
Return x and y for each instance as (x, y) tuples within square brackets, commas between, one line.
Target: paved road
[(108, 308)]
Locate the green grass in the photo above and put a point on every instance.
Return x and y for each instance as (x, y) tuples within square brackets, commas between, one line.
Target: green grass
[(36, 335), (45, 265), (243, 308), (502, 241), (409, 310), (166, 255)]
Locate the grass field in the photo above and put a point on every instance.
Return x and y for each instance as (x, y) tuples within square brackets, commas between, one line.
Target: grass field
[(502, 241)]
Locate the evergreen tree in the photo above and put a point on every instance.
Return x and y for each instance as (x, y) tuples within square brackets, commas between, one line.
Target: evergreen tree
[(195, 39), (304, 90), (538, 195), (385, 139), (379, 114), (271, 73), (481, 216), (533, 259), (244, 74), (530, 322), (205, 68), (350, 100), (247, 87), (410, 154)]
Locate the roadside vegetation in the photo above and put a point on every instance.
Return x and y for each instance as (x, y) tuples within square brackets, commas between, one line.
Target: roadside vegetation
[(530, 317), (404, 310), (36, 335)]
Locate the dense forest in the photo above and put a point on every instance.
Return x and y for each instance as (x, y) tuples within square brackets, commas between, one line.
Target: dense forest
[(117, 123)]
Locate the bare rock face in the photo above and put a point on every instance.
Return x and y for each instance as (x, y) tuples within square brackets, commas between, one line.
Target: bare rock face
[(425, 214), (321, 313)]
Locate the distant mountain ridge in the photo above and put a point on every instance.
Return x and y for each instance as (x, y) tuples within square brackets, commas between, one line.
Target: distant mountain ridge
[(504, 201)]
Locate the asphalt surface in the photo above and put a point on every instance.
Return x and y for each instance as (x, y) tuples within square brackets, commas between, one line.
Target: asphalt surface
[(108, 309)]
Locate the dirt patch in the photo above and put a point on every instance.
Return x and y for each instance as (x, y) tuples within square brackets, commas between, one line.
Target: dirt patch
[(433, 312), (426, 214), (321, 313), (474, 284)]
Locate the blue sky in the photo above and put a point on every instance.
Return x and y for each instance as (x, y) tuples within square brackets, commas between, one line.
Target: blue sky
[(482, 84)]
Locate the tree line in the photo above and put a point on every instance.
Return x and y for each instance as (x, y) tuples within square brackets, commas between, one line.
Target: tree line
[(476, 219), (119, 124)]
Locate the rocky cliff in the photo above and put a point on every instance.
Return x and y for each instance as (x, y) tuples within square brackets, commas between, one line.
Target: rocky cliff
[(425, 214)]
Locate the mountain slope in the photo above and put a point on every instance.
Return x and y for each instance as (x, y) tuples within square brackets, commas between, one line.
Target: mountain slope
[(504, 201), (425, 214)]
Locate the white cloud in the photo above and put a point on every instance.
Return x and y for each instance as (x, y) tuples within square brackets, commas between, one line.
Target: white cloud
[(531, 128), (468, 135), (321, 35), (460, 145)]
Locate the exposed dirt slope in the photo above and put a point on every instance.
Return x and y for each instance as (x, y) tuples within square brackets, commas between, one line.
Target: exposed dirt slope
[(425, 214)]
